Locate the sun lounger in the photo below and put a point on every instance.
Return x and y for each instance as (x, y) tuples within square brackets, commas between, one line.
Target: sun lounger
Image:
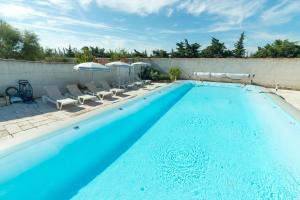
[(55, 96), (218, 75), (147, 81), (77, 94), (127, 85), (138, 82), (237, 76), (100, 93), (107, 87), (202, 75), (151, 87)]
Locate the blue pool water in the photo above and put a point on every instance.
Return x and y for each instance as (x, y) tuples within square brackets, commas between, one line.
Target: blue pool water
[(203, 141)]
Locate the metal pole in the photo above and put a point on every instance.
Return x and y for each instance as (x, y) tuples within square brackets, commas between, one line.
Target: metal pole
[(141, 72), (119, 78)]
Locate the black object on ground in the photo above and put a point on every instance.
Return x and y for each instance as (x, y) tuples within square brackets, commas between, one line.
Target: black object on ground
[(13, 94), (25, 91)]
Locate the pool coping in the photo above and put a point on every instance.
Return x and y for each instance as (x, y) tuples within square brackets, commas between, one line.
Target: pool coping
[(280, 101)]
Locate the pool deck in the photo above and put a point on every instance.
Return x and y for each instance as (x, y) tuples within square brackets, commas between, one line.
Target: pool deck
[(290, 96), (22, 122)]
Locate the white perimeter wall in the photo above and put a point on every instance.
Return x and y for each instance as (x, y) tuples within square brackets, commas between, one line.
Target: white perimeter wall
[(268, 72), (40, 74)]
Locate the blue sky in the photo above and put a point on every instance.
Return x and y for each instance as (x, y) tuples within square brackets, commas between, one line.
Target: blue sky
[(153, 24)]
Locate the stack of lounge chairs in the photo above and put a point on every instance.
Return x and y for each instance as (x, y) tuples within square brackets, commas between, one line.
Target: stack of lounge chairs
[(75, 96), (232, 76)]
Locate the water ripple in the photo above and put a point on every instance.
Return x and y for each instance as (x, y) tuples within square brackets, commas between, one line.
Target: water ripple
[(182, 165)]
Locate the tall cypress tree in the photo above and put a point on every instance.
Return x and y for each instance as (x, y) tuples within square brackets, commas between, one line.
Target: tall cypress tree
[(240, 51)]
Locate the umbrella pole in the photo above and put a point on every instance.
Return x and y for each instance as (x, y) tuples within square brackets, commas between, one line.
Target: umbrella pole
[(141, 73), (119, 78)]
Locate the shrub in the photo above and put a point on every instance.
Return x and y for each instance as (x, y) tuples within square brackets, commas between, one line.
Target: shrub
[(151, 73), (174, 73), (56, 59), (154, 75), (164, 77)]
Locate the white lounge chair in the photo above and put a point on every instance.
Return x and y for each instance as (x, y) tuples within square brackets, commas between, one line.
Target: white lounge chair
[(151, 87), (202, 75), (218, 75), (138, 82), (128, 85), (100, 93), (107, 87), (234, 76), (77, 94), (147, 81), (55, 96)]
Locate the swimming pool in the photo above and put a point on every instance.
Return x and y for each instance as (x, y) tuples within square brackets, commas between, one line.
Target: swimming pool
[(189, 141)]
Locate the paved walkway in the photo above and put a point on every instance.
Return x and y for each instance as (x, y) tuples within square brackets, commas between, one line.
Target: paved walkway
[(291, 96), (23, 118)]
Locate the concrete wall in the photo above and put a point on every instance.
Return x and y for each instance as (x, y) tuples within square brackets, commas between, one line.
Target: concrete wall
[(40, 74), (268, 72)]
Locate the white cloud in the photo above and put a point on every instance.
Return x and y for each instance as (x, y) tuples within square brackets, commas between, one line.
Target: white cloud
[(18, 12), (232, 11), (266, 36), (193, 7), (169, 12), (217, 27), (84, 3), (21, 12), (223, 27), (62, 4), (120, 19), (227, 14), (48, 38), (140, 7), (281, 13), (70, 21)]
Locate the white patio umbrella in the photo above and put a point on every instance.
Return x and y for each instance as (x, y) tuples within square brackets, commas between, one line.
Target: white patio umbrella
[(119, 65), (140, 65), (91, 66)]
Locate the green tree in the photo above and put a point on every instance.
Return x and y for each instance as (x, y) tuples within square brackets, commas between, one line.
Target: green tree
[(279, 49), (10, 41), (98, 52), (139, 54), (216, 50), (69, 52), (191, 50), (31, 49), (160, 53), (186, 50), (118, 55), (84, 56), (48, 52), (239, 51), (180, 50)]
